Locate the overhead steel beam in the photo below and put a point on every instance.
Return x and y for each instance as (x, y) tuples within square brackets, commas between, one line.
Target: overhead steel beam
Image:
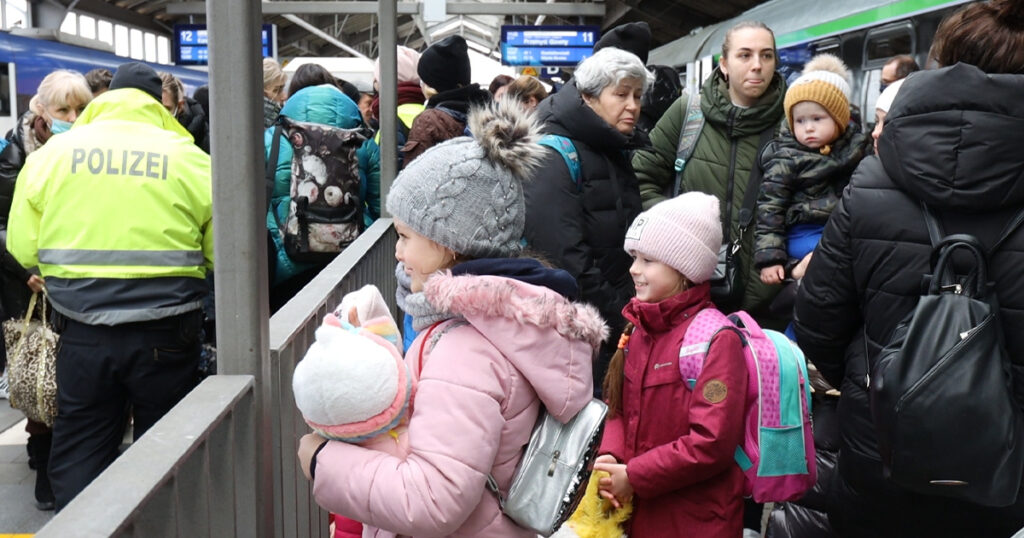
[(298, 21), (455, 7)]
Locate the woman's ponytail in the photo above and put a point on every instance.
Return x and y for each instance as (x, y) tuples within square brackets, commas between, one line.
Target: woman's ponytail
[(611, 389)]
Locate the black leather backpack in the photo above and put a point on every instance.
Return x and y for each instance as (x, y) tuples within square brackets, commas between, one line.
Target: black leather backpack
[(941, 391)]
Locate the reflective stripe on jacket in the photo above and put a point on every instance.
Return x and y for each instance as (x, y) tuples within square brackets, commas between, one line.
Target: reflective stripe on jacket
[(117, 213)]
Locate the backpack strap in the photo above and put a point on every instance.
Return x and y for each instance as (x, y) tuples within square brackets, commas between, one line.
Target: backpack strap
[(275, 152), (746, 215), (1015, 223), (567, 150), (936, 234), (697, 341), (688, 136)]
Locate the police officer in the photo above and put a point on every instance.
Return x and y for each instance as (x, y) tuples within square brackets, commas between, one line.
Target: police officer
[(117, 213)]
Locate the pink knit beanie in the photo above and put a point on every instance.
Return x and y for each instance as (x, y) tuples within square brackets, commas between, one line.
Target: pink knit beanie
[(407, 60), (684, 233)]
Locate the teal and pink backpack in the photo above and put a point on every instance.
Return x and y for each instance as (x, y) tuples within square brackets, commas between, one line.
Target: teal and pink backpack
[(777, 455)]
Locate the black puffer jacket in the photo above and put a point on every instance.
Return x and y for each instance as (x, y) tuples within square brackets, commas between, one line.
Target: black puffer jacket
[(14, 294), (194, 119), (951, 140), (581, 228)]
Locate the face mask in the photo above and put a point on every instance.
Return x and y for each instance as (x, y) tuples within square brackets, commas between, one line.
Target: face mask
[(59, 126)]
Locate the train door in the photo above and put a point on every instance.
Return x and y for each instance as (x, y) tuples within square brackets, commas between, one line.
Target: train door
[(880, 44), (8, 91), (696, 73)]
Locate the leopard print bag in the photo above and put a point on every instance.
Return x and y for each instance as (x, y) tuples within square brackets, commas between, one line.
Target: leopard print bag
[(32, 364)]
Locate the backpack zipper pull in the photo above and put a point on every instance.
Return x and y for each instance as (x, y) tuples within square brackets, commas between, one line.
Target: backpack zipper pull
[(554, 460)]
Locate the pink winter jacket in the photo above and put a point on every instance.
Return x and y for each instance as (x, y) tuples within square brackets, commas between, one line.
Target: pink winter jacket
[(509, 348)]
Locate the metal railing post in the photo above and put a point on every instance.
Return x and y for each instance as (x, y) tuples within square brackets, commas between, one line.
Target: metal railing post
[(236, 87), (387, 12)]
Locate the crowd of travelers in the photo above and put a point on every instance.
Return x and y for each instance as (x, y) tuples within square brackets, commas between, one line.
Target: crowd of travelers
[(555, 244)]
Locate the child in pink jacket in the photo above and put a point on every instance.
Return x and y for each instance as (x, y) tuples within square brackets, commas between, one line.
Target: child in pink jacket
[(499, 336), (669, 447)]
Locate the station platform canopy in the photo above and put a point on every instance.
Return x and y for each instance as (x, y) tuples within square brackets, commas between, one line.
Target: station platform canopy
[(349, 28)]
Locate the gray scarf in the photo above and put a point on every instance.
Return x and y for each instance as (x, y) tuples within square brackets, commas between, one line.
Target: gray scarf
[(415, 304)]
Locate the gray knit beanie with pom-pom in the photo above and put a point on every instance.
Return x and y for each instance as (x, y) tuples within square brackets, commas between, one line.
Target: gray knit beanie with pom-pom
[(467, 193)]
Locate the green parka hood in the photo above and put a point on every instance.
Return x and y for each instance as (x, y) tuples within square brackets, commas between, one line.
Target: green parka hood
[(717, 107)]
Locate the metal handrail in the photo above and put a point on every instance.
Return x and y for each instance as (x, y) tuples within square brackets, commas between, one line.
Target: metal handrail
[(187, 476), (194, 472)]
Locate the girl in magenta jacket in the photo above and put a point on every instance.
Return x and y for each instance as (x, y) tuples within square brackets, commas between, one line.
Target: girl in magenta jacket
[(669, 448), (499, 336)]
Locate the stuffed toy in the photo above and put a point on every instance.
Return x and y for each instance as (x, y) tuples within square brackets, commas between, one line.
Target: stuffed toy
[(595, 517), (353, 385)]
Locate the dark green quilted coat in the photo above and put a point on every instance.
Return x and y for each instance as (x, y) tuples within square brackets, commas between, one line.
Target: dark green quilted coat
[(728, 142)]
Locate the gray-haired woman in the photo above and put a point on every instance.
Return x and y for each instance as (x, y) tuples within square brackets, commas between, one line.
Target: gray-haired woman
[(579, 220)]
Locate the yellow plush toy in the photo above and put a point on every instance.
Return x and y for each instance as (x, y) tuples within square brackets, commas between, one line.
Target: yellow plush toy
[(595, 517)]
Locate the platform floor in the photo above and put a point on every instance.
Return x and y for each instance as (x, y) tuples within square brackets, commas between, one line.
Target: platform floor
[(18, 514)]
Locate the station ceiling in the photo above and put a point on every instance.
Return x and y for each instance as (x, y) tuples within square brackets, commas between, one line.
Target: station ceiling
[(308, 34)]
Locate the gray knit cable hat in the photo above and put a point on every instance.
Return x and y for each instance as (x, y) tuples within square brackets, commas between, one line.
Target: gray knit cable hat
[(467, 193)]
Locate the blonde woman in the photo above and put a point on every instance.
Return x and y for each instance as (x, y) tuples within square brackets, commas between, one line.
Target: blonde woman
[(60, 98), (274, 80)]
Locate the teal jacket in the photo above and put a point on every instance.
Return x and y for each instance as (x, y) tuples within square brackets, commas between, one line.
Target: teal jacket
[(327, 105)]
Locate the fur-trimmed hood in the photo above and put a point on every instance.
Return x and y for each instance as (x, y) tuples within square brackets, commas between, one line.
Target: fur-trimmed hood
[(536, 329)]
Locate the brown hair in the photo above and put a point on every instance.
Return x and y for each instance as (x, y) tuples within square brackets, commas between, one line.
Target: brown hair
[(988, 35), (905, 65), (727, 43), (611, 389), (525, 87), (499, 81), (99, 79)]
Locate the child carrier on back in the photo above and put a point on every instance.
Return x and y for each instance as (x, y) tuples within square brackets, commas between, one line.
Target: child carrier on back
[(777, 454), (326, 209)]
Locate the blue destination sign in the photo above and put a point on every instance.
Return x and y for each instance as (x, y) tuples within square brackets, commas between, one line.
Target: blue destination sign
[(547, 45), (191, 43), (541, 56), (550, 36)]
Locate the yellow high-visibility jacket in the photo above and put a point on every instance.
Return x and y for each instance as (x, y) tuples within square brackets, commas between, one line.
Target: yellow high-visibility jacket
[(117, 213)]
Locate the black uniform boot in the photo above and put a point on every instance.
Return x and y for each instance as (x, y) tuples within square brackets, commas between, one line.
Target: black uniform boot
[(44, 493)]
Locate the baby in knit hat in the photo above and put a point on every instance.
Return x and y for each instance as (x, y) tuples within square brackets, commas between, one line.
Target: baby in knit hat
[(353, 385), (653, 410), (805, 169)]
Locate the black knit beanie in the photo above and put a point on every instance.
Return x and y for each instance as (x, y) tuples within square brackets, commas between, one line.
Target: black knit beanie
[(632, 37), (445, 65), (139, 76)]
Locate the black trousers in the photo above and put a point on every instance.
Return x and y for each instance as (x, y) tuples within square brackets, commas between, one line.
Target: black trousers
[(103, 374)]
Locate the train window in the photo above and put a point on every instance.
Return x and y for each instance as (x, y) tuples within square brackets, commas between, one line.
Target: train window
[(869, 95), (830, 46), (5, 90), (887, 41)]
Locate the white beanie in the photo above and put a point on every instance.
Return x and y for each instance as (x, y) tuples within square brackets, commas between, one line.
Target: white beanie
[(888, 95), (684, 233)]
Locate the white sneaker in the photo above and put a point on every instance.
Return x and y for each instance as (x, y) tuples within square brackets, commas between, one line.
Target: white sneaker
[(3, 386)]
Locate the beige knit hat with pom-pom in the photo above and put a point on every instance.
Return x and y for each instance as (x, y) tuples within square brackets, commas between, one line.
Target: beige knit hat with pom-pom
[(825, 81)]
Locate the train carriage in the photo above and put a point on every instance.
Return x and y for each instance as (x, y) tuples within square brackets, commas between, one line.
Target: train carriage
[(864, 33)]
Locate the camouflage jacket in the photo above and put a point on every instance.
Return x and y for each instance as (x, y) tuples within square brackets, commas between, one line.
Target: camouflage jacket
[(801, 186)]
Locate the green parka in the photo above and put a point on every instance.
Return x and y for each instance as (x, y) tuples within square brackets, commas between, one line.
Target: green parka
[(730, 137)]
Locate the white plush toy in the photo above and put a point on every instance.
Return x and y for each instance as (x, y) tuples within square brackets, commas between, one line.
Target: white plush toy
[(353, 384)]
